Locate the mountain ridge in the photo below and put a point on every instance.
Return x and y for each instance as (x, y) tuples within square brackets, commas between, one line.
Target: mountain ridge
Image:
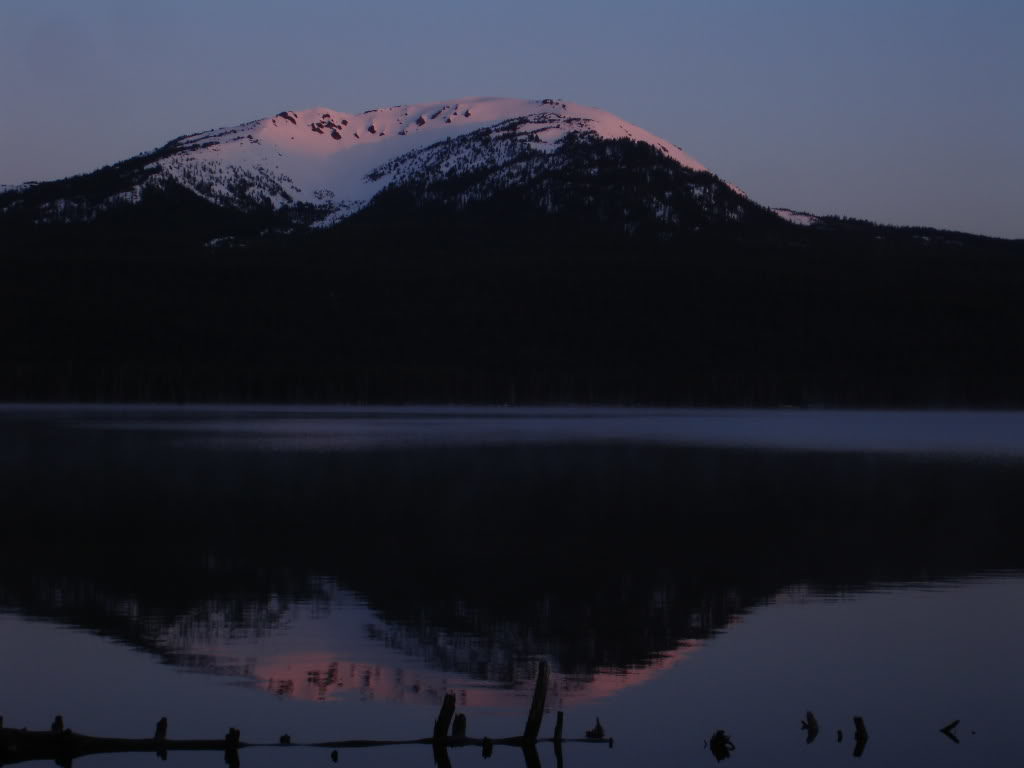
[(325, 165)]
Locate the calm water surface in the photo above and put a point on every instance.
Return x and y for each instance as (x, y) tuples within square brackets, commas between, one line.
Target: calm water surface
[(331, 573)]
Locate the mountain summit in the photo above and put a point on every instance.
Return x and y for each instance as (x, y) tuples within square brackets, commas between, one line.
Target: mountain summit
[(320, 166), (320, 155)]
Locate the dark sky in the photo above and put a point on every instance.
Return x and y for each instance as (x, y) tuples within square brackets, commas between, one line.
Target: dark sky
[(900, 111)]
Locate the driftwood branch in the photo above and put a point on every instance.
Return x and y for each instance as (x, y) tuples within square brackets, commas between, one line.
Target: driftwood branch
[(949, 731), (811, 726)]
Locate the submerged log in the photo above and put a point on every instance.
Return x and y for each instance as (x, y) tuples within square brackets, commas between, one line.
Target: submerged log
[(21, 745)]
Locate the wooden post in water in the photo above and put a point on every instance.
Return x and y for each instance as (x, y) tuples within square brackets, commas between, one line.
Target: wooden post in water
[(444, 718), (530, 756), (441, 759), (860, 736), (540, 693), (459, 727), (232, 741), (439, 743), (811, 726), (559, 723)]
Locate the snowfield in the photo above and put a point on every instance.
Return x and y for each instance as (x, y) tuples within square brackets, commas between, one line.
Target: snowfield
[(796, 217), (336, 160)]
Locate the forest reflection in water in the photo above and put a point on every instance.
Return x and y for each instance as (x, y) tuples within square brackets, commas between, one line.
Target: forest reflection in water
[(398, 572)]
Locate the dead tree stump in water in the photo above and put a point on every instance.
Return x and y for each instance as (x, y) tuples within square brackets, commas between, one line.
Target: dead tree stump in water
[(721, 745), (860, 736), (811, 726), (459, 727), (559, 723), (444, 718), (540, 693)]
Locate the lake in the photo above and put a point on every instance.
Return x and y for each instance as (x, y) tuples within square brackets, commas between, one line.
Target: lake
[(331, 573)]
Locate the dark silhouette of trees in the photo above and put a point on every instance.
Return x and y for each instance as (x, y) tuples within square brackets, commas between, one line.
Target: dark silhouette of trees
[(575, 287)]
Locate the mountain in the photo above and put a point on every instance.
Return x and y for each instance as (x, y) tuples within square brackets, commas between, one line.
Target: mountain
[(484, 250), (320, 166)]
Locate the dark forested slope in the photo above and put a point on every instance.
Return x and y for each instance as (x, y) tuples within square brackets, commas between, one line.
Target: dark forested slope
[(580, 285)]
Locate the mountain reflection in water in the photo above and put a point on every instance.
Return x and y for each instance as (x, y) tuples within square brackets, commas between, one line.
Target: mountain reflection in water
[(337, 647), (402, 571)]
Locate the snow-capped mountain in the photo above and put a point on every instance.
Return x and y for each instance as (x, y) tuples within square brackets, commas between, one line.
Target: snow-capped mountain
[(327, 165), (340, 160)]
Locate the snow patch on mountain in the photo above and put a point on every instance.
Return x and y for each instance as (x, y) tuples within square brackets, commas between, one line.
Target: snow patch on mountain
[(796, 217), (521, 154), (5, 188)]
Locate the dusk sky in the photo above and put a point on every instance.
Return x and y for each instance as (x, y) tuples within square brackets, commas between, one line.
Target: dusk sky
[(899, 111)]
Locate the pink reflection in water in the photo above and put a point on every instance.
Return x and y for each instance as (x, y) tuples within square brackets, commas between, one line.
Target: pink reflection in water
[(319, 676), (339, 650)]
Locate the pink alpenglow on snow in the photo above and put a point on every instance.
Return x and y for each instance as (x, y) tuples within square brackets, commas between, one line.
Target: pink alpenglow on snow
[(796, 217), (331, 164), (322, 155)]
